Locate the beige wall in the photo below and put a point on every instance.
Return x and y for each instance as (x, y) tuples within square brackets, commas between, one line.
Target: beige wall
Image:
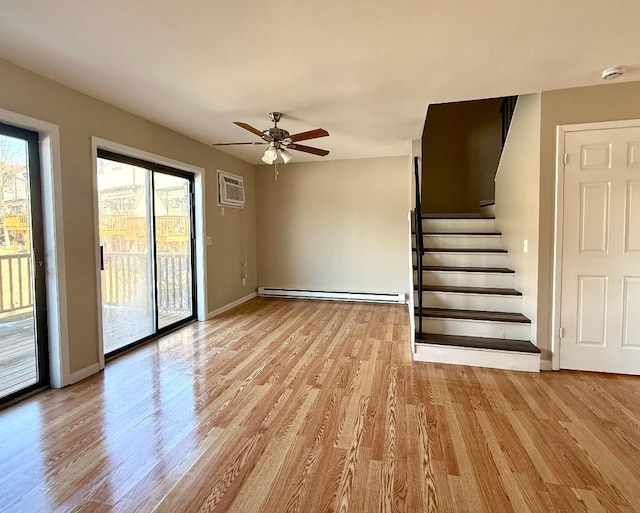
[(334, 225), (517, 207), (80, 117), (461, 146), (608, 102)]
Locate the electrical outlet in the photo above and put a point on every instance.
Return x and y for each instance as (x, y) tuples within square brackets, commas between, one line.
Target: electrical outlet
[(222, 211), (525, 246), (244, 282), (209, 241)]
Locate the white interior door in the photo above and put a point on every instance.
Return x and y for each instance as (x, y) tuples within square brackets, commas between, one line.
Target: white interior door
[(600, 306)]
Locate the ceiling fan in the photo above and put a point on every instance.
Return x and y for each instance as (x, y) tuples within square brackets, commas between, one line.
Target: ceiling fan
[(280, 141)]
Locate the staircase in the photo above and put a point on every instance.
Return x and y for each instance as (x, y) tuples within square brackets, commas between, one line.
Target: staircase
[(468, 312)]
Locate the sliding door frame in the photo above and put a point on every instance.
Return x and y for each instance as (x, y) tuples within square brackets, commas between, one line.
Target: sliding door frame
[(56, 278), (199, 272), (41, 336), (152, 169)]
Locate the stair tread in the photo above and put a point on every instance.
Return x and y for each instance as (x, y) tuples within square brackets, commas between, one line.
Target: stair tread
[(463, 234), (501, 344), (458, 269), (470, 290), (472, 215), (476, 315), (465, 250)]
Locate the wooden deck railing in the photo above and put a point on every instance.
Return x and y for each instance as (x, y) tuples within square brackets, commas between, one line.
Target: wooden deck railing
[(125, 281), (15, 282)]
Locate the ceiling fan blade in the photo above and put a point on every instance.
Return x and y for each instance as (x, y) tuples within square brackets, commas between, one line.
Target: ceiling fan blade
[(311, 134), (308, 149), (232, 144), (250, 128)]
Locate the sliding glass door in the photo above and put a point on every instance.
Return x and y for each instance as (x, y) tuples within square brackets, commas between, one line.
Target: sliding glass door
[(24, 362), (147, 258), (126, 242), (174, 252)]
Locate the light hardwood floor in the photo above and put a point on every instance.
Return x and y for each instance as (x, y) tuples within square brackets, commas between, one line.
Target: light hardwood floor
[(304, 406)]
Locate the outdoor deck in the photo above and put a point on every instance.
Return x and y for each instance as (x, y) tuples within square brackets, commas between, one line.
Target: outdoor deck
[(17, 355)]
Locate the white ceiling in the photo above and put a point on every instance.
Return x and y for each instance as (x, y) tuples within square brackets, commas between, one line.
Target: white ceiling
[(365, 70)]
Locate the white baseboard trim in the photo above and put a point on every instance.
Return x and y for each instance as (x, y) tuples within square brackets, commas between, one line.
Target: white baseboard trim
[(231, 305), (83, 373), (371, 297), (545, 365), (506, 360)]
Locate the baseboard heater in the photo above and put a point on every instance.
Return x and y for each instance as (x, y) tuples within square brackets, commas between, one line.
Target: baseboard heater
[(331, 296)]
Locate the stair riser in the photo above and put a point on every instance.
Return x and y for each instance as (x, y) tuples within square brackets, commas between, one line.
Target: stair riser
[(455, 279), (488, 210), (472, 328), (463, 241), (464, 259), (459, 225), (485, 302), (478, 357)]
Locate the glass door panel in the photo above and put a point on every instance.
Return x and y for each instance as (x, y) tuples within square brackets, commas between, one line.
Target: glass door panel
[(23, 343), (128, 306), (173, 248), (146, 240)]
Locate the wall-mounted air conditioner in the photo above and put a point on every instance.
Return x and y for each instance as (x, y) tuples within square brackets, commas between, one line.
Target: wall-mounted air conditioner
[(230, 190)]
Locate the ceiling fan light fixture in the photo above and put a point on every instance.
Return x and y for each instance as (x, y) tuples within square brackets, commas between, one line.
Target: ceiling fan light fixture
[(286, 156), (270, 155)]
